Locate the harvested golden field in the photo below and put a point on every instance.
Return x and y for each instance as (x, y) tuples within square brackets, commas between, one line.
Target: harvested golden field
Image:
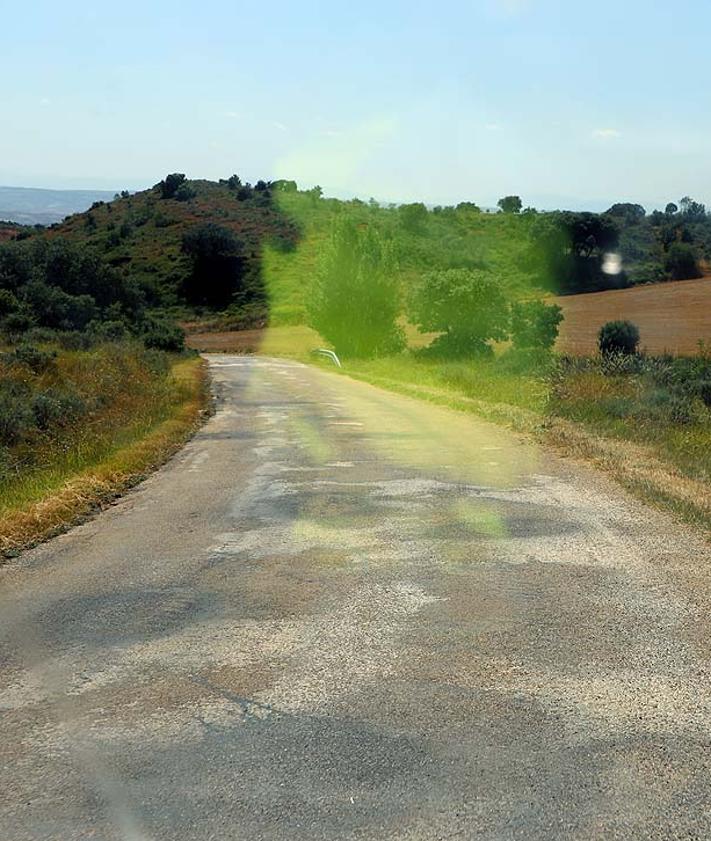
[(671, 316)]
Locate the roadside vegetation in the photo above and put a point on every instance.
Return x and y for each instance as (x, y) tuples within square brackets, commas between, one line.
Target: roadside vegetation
[(453, 304), (96, 387), (77, 427)]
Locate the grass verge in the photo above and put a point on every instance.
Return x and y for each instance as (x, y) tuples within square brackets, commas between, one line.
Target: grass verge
[(646, 444), (76, 480)]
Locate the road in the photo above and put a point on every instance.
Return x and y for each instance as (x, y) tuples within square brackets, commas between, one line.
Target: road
[(341, 613)]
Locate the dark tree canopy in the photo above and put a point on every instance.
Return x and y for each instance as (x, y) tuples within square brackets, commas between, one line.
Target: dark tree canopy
[(681, 262), (168, 187), (691, 209), (570, 250), (627, 212), (64, 286), (510, 204), (219, 274), (413, 217)]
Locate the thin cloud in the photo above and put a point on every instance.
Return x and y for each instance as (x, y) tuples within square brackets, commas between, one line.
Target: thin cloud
[(280, 126), (492, 127), (233, 115), (606, 133), (512, 7)]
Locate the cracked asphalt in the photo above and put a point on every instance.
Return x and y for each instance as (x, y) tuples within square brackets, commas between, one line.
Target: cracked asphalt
[(340, 613)]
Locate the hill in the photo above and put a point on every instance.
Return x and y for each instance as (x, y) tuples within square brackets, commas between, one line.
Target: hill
[(230, 255), (34, 206)]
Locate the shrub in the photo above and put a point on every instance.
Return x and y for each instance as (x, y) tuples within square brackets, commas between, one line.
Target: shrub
[(681, 262), (535, 324), (161, 334), (702, 389), (36, 359), (185, 192), (108, 331), (618, 337), (55, 408), (15, 414), (8, 302)]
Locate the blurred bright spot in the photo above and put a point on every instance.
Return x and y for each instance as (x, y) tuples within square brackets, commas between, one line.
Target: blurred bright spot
[(612, 263)]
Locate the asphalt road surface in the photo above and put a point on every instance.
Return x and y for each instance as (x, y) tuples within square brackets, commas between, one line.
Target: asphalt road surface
[(340, 613)]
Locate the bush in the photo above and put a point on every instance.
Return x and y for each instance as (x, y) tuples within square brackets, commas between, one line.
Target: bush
[(535, 324), (36, 359), (164, 335), (15, 413), (618, 337), (185, 192), (108, 331), (219, 275), (55, 408), (681, 262)]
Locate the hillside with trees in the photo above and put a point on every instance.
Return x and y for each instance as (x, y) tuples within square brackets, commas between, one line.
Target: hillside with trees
[(236, 254)]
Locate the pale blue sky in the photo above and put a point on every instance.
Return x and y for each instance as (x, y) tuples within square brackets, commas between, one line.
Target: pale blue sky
[(565, 103)]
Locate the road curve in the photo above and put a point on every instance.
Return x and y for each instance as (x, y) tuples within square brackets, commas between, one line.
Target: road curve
[(340, 613)]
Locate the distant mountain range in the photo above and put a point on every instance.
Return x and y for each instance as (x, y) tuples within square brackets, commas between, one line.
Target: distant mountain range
[(34, 206)]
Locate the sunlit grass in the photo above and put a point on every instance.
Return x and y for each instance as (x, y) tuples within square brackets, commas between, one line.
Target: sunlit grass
[(92, 462)]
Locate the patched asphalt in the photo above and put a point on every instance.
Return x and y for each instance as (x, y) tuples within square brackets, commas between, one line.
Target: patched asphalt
[(341, 613)]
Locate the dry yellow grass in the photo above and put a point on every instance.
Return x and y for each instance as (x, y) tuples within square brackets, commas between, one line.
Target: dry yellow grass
[(98, 485)]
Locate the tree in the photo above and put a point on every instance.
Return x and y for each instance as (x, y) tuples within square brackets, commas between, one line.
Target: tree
[(413, 217), (219, 267), (467, 306), (681, 262), (168, 187), (468, 207), (510, 204), (627, 212), (314, 194), (692, 209), (671, 209), (569, 249), (354, 299), (618, 337), (534, 324)]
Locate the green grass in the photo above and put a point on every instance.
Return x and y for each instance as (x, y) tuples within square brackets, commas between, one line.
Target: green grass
[(652, 435)]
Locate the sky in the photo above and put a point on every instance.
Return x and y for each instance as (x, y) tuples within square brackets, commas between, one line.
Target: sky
[(566, 104)]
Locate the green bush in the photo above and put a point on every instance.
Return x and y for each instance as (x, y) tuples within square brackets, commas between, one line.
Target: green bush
[(535, 324), (618, 337), (163, 335), (681, 262), (15, 412), (36, 359), (52, 408)]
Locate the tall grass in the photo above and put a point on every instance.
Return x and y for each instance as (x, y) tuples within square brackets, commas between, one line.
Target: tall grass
[(116, 410)]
